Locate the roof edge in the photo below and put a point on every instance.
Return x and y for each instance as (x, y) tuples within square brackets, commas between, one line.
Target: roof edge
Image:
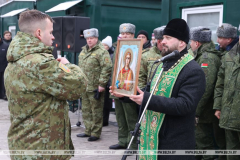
[(16, 1)]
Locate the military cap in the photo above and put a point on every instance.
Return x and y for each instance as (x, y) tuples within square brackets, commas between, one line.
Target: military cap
[(227, 31), (200, 34), (93, 32), (158, 32), (127, 28)]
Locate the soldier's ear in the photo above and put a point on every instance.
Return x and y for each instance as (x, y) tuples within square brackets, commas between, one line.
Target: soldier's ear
[(38, 34)]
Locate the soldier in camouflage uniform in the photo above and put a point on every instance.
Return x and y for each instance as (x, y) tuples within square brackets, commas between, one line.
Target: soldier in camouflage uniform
[(227, 38), (126, 110), (206, 56), (37, 88), (226, 99), (95, 61), (149, 58)]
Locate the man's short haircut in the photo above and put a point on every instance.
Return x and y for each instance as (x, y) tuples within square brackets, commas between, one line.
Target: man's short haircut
[(5, 32), (30, 20)]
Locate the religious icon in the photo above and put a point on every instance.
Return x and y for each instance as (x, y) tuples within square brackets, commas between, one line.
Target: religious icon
[(127, 65)]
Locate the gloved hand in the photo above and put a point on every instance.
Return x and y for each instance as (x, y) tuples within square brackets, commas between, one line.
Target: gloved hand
[(97, 94)]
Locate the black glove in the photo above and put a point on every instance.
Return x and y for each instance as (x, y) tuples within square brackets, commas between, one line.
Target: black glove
[(97, 94)]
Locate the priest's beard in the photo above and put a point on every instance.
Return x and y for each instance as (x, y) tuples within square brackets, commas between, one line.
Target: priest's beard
[(168, 49)]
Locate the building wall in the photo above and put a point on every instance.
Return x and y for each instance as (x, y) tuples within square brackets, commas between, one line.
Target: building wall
[(230, 8), (13, 21), (107, 15)]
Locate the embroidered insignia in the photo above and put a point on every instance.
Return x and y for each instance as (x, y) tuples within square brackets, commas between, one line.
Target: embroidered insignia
[(82, 54), (88, 32), (151, 145), (124, 28), (152, 59), (64, 68), (154, 122), (163, 90), (106, 60), (141, 140)]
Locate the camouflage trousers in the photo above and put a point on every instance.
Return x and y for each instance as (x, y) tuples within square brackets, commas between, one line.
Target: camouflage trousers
[(127, 116), (204, 140), (219, 135), (92, 112), (233, 143)]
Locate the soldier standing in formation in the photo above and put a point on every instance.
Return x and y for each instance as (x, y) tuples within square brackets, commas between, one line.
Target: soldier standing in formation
[(226, 99), (227, 38), (207, 57), (126, 110), (96, 63), (149, 58), (37, 87)]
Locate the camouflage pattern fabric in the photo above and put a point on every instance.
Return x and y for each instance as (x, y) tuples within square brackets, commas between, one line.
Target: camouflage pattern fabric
[(37, 88), (232, 138), (145, 50), (207, 57), (204, 140), (147, 61), (92, 112), (97, 65), (226, 95), (126, 115)]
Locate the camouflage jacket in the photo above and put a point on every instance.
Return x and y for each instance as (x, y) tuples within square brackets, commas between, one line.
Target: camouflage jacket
[(145, 50), (207, 57), (228, 47), (147, 61), (96, 64), (227, 90), (37, 87)]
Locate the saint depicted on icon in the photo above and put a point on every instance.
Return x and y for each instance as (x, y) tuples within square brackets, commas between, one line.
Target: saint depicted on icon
[(126, 67), (125, 75)]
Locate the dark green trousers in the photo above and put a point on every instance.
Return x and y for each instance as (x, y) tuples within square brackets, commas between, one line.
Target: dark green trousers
[(204, 140), (92, 112), (233, 143), (127, 116), (220, 138)]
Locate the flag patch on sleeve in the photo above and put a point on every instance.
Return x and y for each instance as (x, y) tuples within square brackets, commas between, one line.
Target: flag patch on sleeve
[(64, 68), (204, 65)]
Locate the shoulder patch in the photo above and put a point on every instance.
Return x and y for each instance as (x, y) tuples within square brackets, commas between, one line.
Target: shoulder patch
[(107, 60), (152, 59), (64, 68)]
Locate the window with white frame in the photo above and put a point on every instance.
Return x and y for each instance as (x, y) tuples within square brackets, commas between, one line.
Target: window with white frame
[(210, 16), (12, 29)]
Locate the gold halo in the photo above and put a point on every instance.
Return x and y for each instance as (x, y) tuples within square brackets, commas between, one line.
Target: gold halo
[(129, 50)]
